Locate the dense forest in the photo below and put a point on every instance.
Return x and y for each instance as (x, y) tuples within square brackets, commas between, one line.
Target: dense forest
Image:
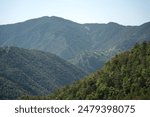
[(125, 76), (52, 52), (33, 72)]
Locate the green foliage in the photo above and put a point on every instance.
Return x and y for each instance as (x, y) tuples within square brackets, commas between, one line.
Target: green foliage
[(72, 41), (31, 72), (125, 76)]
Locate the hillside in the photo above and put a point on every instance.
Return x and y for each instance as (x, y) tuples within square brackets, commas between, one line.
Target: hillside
[(91, 61), (51, 34), (32, 72), (68, 39), (125, 76)]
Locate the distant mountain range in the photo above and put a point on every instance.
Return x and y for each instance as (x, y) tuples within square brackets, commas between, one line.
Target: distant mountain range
[(72, 41), (32, 72), (125, 76)]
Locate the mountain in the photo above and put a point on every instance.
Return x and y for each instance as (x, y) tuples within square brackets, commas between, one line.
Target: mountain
[(125, 76), (52, 34), (69, 39), (91, 61), (32, 72)]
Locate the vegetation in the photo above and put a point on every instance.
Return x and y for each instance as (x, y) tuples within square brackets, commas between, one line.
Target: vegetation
[(91, 61), (125, 76), (87, 46), (31, 72), (69, 40)]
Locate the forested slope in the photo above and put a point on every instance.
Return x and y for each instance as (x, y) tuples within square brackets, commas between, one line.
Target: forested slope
[(32, 72), (125, 76), (69, 39)]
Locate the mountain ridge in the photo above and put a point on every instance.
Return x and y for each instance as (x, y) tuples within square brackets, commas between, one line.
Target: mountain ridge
[(126, 76), (33, 72), (68, 39)]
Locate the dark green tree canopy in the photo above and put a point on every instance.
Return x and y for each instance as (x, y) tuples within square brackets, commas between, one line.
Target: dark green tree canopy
[(125, 76)]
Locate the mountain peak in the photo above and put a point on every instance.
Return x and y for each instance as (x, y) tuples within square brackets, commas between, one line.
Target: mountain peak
[(113, 23), (55, 17), (45, 17)]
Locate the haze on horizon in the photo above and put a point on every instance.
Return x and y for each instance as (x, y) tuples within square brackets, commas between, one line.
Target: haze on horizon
[(125, 12)]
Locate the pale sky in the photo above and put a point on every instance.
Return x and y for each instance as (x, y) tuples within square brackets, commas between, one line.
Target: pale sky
[(125, 12)]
